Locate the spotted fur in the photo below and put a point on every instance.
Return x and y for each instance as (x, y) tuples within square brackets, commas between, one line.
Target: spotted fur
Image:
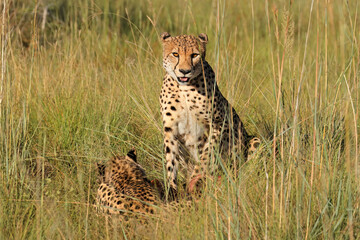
[(196, 116), (124, 188)]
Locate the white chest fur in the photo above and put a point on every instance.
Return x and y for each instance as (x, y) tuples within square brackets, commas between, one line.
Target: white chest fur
[(189, 128)]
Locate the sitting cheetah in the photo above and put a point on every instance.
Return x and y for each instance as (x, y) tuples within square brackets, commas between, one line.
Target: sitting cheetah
[(195, 113), (124, 188)]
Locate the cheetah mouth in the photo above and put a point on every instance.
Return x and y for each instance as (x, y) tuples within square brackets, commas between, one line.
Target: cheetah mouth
[(183, 79)]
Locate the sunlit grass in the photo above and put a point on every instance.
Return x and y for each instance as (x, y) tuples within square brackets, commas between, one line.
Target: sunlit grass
[(81, 81)]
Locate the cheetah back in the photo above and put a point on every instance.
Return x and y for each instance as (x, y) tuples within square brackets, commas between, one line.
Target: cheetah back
[(124, 188)]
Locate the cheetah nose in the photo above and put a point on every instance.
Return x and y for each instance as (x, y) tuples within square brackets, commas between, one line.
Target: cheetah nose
[(184, 71)]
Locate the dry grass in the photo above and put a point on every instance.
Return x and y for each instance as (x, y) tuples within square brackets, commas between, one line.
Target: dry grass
[(80, 82)]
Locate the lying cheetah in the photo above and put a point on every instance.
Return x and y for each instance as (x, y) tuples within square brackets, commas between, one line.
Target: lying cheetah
[(124, 188), (195, 113)]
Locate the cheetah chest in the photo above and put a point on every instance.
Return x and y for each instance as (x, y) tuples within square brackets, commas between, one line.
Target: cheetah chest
[(191, 129)]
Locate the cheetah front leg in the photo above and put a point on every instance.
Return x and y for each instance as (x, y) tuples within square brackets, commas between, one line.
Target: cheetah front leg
[(171, 146), (205, 151)]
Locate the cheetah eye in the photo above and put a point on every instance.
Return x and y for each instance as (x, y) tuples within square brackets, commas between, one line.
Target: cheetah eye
[(175, 54), (194, 55)]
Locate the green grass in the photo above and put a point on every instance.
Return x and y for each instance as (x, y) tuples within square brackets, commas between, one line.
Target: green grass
[(82, 84)]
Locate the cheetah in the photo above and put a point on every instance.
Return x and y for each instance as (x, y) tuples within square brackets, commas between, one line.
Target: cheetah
[(124, 188), (196, 116)]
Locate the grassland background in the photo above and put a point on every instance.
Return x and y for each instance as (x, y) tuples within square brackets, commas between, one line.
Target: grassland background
[(80, 82)]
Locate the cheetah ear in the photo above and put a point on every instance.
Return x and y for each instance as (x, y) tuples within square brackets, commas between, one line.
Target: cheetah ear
[(203, 38), (101, 169), (165, 36), (132, 154)]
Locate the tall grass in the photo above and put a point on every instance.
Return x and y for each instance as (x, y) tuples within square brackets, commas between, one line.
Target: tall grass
[(80, 82)]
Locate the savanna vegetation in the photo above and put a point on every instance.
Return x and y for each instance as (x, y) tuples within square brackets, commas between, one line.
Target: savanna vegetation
[(80, 82)]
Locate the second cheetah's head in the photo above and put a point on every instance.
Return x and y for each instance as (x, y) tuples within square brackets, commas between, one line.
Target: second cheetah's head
[(183, 55), (117, 164)]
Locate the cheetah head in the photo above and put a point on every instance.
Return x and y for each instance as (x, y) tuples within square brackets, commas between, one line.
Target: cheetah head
[(105, 171), (182, 56)]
